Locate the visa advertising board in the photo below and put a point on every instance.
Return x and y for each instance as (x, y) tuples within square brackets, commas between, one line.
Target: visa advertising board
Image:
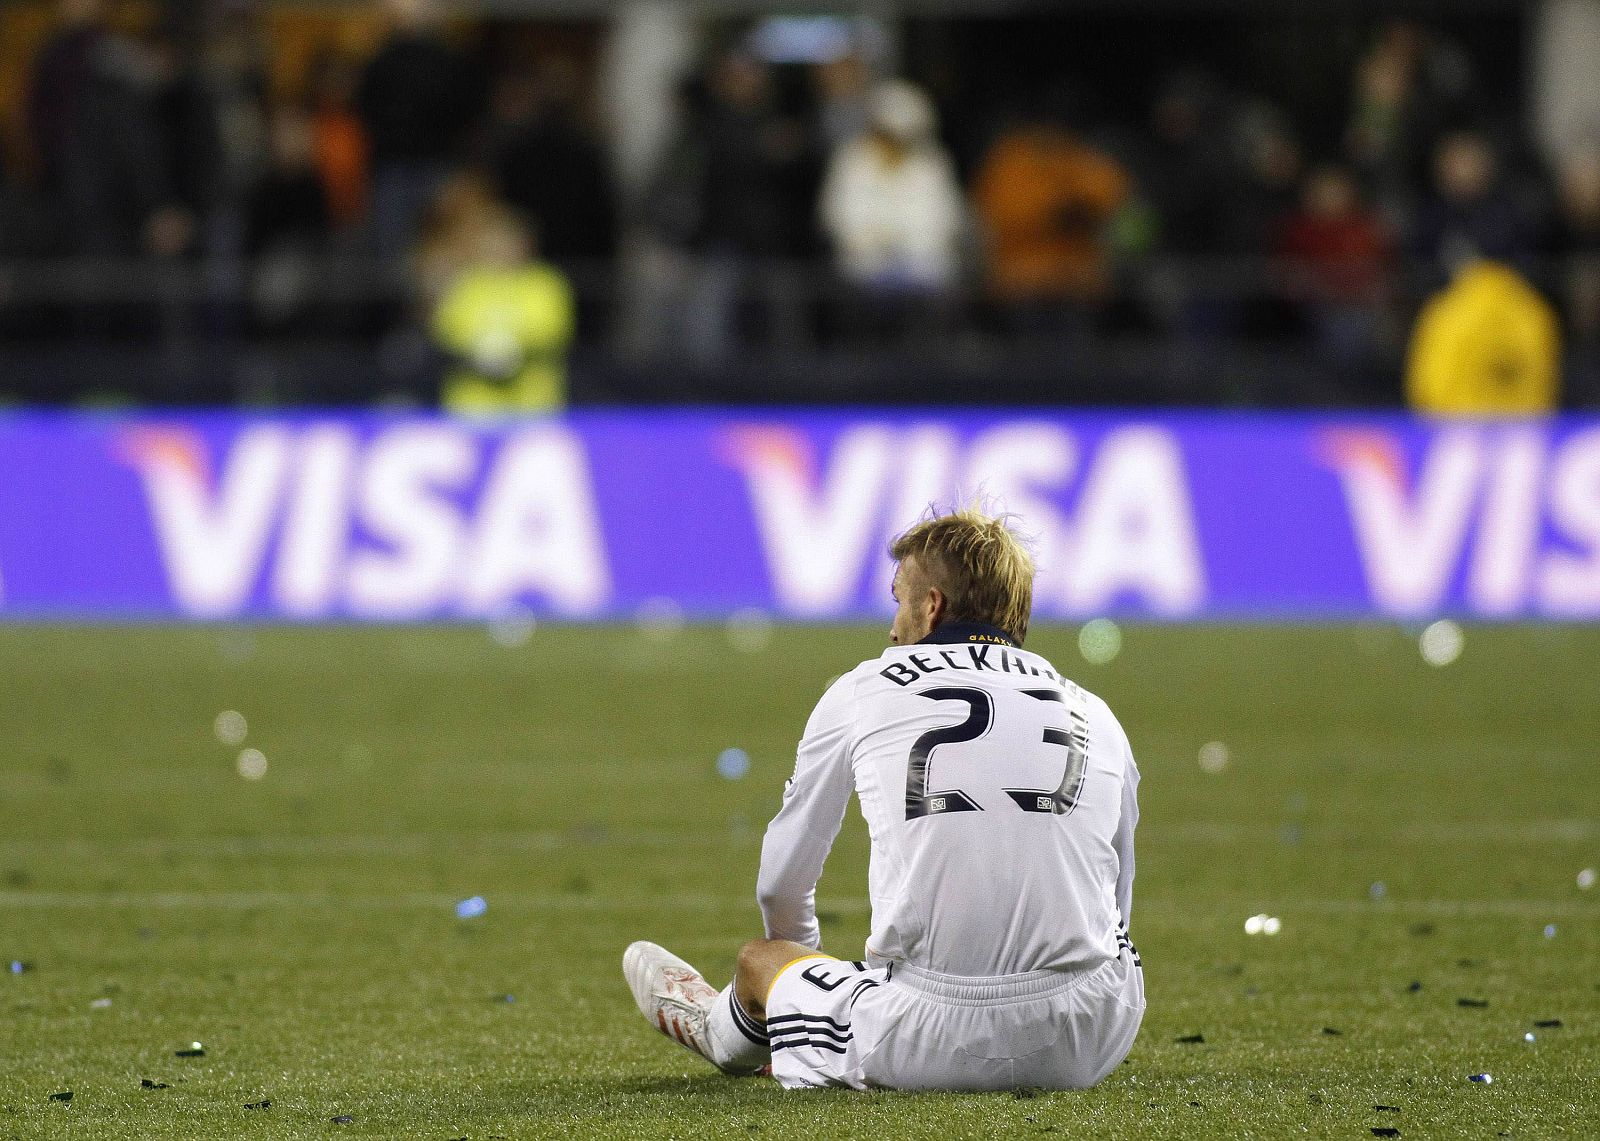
[(606, 515)]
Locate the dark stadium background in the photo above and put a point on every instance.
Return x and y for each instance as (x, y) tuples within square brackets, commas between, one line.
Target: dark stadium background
[(273, 288)]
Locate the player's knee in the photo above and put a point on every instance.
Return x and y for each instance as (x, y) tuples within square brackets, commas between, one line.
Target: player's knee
[(755, 960), (749, 981)]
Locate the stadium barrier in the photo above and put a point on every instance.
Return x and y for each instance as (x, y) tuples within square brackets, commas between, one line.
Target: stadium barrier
[(607, 515)]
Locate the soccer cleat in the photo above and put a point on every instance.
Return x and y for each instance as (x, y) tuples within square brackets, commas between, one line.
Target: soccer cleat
[(672, 995)]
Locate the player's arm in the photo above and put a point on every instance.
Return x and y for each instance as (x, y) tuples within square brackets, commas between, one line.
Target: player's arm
[(1126, 823), (802, 833)]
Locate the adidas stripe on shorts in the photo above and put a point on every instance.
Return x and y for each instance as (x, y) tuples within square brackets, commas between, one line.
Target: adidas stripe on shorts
[(838, 1023)]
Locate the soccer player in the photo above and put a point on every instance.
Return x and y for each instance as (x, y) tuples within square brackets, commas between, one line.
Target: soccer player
[(1001, 802)]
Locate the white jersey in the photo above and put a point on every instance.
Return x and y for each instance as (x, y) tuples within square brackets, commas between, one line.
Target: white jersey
[(1001, 802)]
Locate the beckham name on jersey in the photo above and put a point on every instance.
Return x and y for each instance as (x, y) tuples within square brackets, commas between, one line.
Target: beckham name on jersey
[(980, 658)]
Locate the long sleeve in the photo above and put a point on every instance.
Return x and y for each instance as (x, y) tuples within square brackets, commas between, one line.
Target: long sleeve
[(1123, 841), (802, 833)]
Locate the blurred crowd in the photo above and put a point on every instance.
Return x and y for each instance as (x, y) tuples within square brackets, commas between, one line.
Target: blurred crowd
[(828, 204)]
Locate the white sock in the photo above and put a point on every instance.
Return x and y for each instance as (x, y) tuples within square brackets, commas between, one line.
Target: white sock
[(738, 1042)]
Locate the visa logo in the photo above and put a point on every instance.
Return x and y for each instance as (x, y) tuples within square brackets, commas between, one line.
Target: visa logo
[(1514, 519), (1128, 538), (421, 518)]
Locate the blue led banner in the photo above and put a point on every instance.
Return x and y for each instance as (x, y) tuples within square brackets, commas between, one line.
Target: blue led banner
[(599, 515)]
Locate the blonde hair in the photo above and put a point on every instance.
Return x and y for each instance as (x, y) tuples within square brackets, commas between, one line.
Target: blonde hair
[(978, 561)]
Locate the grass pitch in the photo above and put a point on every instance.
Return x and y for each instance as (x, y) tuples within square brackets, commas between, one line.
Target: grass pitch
[(1419, 831)]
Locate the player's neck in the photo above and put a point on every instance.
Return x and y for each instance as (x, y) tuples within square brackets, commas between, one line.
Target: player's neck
[(948, 632)]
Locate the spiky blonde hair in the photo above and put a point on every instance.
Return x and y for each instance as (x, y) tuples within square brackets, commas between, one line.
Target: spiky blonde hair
[(978, 561)]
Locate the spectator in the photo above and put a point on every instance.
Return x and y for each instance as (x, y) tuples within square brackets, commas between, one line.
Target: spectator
[(715, 207), (1337, 252), (550, 165), (659, 264), (92, 118), (217, 124), (21, 231), (1265, 185), (1405, 88), (751, 155), (1470, 214), (288, 206), (339, 139), (1578, 240), (286, 221), (1045, 198), (1488, 345), (1182, 170), (416, 98), (844, 96), (892, 208), (504, 319)]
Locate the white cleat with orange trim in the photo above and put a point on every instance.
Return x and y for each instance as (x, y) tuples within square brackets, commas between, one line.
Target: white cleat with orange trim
[(673, 996)]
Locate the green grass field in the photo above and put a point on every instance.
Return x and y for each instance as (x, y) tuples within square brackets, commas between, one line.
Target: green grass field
[(303, 927)]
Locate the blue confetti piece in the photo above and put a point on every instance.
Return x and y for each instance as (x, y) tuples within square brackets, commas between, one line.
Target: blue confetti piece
[(733, 763), (471, 908), (1550, 931)]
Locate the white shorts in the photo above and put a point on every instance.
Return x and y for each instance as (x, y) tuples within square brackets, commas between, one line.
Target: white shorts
[(837, 1023)]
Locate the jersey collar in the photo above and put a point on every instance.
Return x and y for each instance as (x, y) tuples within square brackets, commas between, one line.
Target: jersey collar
[(947, 632)]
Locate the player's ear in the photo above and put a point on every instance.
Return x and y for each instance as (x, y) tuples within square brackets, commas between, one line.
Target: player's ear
[(937, 605)]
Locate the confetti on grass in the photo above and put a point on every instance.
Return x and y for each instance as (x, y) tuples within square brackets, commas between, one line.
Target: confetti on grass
[(1387, 1108), (1214, 757), (1548, 1023), (193, 1050), (1100, 641), (733, 763), (146, 1083), (264, 1103), (342, 1119), (230, 727), (64, 1095), (1481, 1079), (252, 764), (1385, 1131), (1475, 1003), (1190, 1040)]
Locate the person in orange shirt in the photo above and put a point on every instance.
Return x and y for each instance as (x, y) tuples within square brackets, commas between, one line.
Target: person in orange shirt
[(1045, 199), (340, 139)]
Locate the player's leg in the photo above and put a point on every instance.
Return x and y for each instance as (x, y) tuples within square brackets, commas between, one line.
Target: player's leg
[(823, 1015), (761, 961), (676, 999)]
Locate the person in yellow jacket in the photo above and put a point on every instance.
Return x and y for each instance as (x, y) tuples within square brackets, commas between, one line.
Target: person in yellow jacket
[(504, 319), (1486, 345)]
